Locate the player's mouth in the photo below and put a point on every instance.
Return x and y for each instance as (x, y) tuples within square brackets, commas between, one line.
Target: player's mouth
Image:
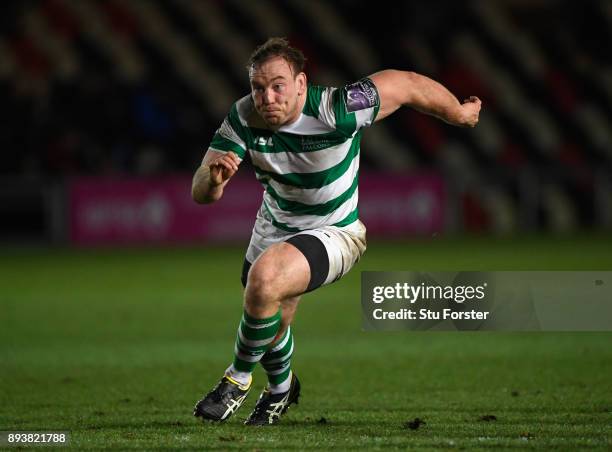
[(271, 113)]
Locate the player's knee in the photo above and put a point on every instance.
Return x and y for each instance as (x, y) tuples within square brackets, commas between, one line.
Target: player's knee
[(260, 289)]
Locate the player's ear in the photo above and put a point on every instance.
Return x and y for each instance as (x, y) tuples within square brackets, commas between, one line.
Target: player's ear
[(301, 83)]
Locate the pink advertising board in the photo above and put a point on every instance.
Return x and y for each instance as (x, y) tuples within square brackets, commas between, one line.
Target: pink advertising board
[(395, 205), (121, 211)]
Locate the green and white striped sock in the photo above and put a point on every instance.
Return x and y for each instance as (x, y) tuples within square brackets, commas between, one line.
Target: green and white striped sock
[(254, 338), (277, 363)]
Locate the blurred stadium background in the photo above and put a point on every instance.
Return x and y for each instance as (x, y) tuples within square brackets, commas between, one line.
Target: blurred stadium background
[(98, 93)]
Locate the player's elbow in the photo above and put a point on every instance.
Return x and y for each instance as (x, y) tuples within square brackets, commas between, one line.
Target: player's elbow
[(399, 88), (410, 92)]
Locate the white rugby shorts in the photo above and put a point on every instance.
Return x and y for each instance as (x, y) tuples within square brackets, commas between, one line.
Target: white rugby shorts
[(344, 245)]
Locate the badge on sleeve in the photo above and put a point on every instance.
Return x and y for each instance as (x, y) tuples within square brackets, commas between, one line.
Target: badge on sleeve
[(361, 95)]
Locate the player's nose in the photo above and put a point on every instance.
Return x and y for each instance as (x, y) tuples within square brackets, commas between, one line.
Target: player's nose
[(268, 96)]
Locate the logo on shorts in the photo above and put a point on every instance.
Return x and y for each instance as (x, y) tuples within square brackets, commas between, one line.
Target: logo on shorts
[(361, 95)]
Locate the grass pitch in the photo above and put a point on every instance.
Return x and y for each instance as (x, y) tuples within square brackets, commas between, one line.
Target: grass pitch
[(115, 346)]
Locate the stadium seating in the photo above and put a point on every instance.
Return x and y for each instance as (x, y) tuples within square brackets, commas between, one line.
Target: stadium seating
[(113, 87)]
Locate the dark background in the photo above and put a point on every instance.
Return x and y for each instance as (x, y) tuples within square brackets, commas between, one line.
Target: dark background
[(137, 88)]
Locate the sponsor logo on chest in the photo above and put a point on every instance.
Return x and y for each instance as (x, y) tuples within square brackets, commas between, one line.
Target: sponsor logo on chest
[(315, 144), (263, 141)]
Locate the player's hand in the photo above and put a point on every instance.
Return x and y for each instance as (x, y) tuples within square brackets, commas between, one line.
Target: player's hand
[(470, 111), (223, 168)]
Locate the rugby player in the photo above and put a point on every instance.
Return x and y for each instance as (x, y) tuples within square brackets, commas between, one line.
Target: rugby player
[(303, 141)]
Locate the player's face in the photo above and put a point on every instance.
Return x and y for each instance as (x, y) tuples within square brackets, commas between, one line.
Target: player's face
[(276, 91)]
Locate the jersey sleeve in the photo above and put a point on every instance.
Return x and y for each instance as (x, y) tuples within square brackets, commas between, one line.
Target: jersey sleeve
[(351, 107), (231, 135)]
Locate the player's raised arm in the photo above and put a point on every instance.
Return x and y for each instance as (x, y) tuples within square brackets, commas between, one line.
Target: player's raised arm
[(213, 174), (402, 88)]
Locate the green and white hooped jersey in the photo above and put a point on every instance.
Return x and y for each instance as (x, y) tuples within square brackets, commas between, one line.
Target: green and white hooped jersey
[(310, 168)]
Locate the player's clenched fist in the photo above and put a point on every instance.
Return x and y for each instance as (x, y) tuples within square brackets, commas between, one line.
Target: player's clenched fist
[(470, 111), (222, 168)]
